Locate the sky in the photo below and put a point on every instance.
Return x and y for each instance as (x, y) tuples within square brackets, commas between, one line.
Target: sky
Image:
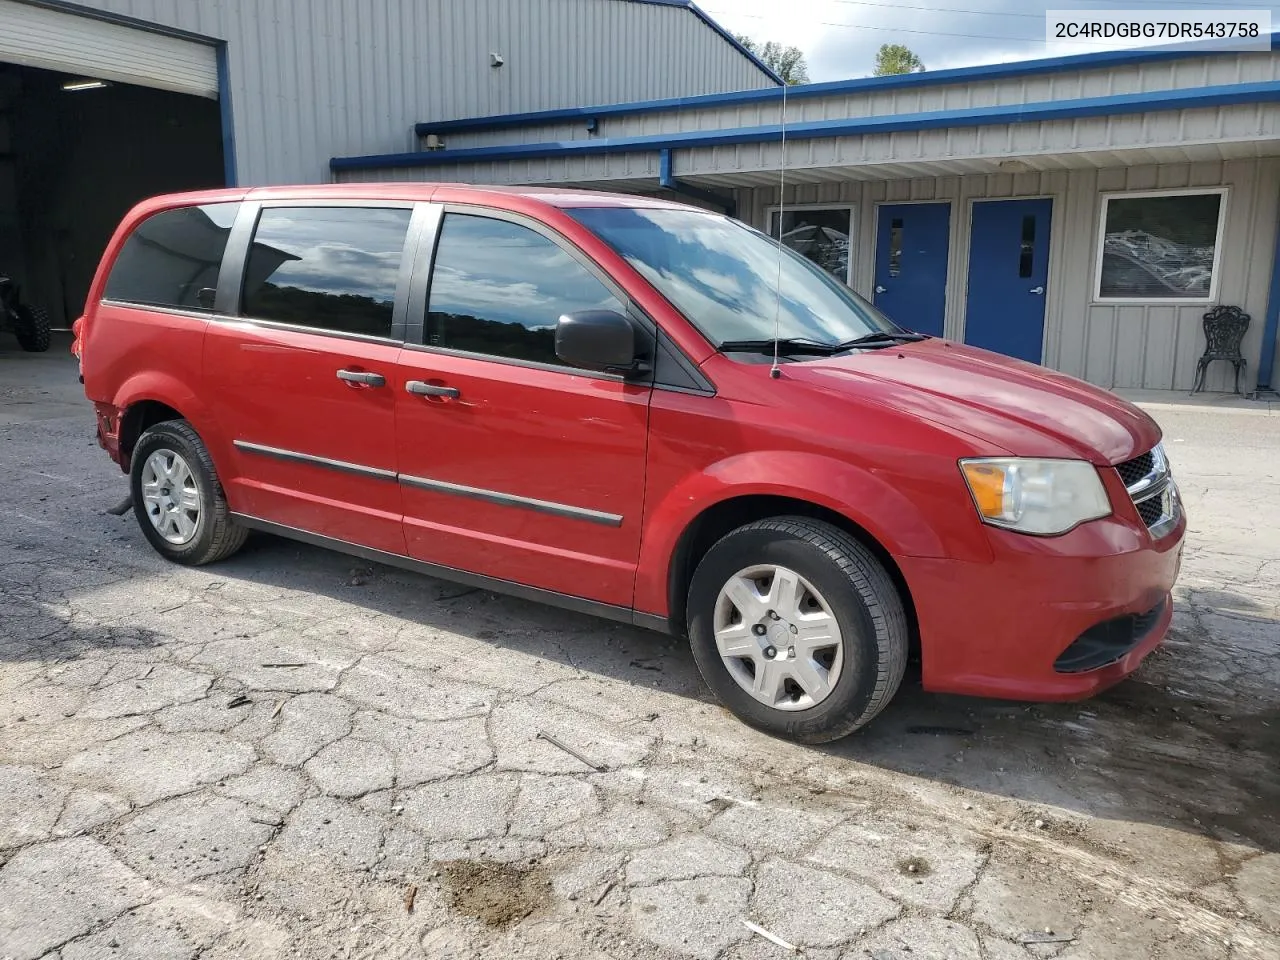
[(944, 33)]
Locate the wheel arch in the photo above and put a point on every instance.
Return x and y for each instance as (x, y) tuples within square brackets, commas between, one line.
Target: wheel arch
[(726, 515), (150, 398), (136, 419)]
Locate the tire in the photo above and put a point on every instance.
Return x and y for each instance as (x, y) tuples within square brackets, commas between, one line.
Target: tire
[(840, 580), (201, 530), (31, 327)]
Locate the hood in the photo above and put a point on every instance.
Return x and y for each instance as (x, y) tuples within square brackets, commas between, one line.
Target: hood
[(1024, 409)]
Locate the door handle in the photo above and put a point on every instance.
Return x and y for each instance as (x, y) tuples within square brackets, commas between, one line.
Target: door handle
[(362, 378), (1038, 291), (420, 389), (880, 289)]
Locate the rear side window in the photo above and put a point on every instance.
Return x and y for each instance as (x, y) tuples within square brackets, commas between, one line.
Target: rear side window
[(331, 268), (173, 257), (499, 288)]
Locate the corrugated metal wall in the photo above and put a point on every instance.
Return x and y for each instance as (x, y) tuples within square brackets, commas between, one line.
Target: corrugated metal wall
[(1191, 73), (1141, 346), (323, 78)]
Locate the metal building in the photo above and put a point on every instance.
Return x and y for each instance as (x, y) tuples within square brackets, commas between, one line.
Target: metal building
[(1082, 212), (104, 102)]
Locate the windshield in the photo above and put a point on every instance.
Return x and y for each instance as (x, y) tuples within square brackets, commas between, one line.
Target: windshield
[(723, 275)]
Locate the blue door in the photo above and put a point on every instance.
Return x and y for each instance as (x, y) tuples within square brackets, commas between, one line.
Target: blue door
[(911, 264), (1008, 274)]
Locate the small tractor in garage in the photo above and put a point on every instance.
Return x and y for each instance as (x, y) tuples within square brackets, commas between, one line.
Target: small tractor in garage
[(29, 324)]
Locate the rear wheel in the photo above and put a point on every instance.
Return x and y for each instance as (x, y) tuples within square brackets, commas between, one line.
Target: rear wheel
[(797, 628), (177, 499), (31, 327)]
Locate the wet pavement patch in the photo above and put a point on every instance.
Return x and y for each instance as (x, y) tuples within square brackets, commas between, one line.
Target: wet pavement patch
[(496, 894)]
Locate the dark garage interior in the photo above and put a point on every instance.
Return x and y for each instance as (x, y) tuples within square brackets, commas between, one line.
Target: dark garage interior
[(75, 155)]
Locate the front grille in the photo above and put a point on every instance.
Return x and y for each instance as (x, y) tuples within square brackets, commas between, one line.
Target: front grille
[(1151, 510), (1104, 644), (1131, 471), (1150, 486)]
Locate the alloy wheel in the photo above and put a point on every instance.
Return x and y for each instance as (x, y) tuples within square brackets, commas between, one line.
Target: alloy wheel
[(778, 637)]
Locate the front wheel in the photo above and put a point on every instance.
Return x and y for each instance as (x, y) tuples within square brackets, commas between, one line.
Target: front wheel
[(177, 499), (797, 628)]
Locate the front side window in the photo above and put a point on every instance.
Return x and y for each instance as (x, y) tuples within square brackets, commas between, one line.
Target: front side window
[(500, 288), (172, 258), (332, 268), (725, 277), (1160, 247)]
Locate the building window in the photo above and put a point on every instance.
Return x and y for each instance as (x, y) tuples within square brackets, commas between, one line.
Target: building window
[(331, 268), (1160, 246), (821, 234), (499, 288)]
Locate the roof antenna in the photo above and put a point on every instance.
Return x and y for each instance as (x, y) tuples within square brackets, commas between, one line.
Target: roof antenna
[(775, 371)]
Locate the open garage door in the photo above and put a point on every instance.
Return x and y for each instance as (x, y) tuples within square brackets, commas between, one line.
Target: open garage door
[(70, 43)]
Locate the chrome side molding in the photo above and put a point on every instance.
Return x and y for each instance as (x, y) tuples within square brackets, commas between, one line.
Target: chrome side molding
[(436, 486)]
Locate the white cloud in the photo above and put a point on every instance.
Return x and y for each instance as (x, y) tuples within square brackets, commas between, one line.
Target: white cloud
[(948, 33)]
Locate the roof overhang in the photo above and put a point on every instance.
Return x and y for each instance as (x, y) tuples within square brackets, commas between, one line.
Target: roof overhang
[(1044, 112)]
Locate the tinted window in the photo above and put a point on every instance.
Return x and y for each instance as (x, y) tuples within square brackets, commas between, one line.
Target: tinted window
[(334, 268), (172, 258), (499, 288)]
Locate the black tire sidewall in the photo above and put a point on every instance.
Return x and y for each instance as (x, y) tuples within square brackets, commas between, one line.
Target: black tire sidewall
[(31, 328), (164, 436), (856, 685)]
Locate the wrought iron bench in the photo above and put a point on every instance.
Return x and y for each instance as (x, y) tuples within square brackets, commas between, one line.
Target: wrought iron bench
[(1224, 330)]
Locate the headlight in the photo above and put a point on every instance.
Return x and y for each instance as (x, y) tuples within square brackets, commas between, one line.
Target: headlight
[(1044, 497)]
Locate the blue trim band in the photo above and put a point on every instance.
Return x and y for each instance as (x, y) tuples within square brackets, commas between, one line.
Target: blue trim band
[(859, 126), (1266, 361), (997, 71), (228, 118)]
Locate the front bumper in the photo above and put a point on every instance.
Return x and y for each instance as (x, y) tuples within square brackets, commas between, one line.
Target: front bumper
[(996, 630)]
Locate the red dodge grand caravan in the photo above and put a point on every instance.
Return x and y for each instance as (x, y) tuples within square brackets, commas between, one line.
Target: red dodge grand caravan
[(574, 397)]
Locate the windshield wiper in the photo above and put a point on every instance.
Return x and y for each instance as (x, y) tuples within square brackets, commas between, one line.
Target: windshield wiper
[(882, 338), (786, 346), (789, 346)]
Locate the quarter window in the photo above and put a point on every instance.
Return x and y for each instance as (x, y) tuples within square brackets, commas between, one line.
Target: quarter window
[(1160, 247), (332, 268), (172, 258), (500, 288)]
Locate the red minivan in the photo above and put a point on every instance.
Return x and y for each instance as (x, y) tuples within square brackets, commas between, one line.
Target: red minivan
[(635, 409)]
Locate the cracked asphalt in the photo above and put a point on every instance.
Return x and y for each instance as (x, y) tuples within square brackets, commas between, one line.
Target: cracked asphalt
[(292, 754)]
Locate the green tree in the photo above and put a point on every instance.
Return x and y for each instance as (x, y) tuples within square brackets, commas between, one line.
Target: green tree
[(894, 58), (786, 62)]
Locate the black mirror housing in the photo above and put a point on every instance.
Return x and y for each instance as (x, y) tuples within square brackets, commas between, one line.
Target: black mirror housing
[(598, 340)]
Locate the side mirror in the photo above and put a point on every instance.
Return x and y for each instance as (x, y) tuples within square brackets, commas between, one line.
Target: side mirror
[(598, 340)]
